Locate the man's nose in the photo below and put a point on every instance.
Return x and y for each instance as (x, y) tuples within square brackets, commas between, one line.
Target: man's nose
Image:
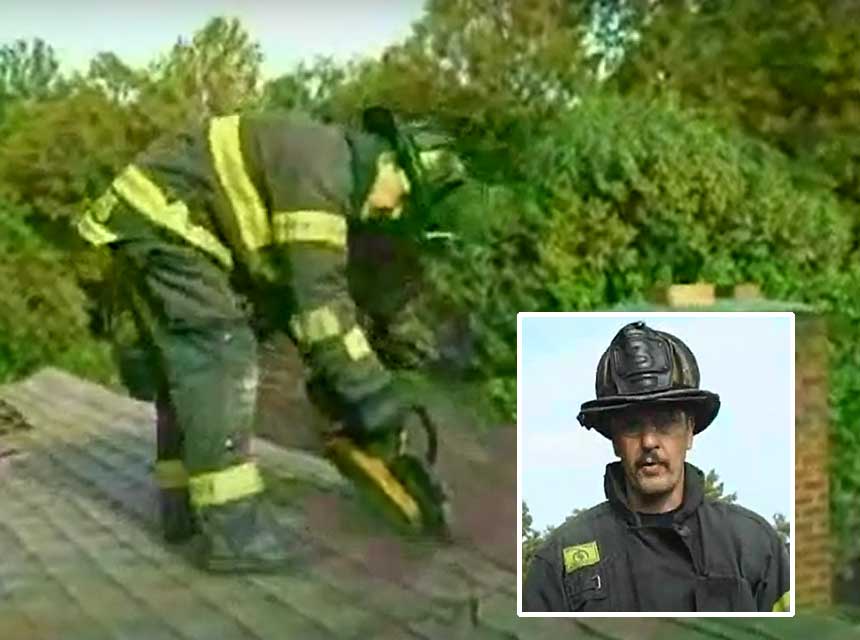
[(649, 438)]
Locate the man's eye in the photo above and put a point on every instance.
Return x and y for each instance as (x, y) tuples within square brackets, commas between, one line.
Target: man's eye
[(671, 427), (632, 428)]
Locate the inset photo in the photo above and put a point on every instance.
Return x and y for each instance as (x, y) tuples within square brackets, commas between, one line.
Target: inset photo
[(655, 464)]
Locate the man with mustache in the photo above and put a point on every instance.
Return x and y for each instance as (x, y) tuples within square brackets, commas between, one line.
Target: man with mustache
[(657, 544)]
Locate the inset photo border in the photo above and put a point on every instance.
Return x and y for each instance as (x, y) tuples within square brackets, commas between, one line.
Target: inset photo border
[(591, 538)]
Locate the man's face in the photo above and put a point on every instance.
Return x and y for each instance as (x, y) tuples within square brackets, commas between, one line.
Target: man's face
[(389, 190), (652, 443)]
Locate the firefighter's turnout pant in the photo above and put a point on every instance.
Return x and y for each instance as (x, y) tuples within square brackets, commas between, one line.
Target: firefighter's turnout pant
[(205, 355)]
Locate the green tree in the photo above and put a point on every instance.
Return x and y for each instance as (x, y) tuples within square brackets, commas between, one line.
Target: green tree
[(43, 311), (28, 70), (215, 73), (120, 82), (491, 72), (597, 213), (308, 87), (714, 489), (783, 527), (60, 151), (530, 541), (786, 75)]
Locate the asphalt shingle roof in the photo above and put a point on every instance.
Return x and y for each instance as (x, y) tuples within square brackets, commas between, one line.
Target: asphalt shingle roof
[(82, 557)]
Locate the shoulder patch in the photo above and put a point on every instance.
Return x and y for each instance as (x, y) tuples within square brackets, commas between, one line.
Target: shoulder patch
[(580, 555)]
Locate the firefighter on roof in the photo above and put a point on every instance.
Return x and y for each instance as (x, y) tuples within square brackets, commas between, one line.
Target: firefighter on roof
[(264, 201)]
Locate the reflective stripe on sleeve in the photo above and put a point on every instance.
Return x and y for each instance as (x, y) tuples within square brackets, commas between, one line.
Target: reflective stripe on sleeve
[(322, 324), (316, 325), (91, 224), (356, 344), (94, 232), (309, 226)]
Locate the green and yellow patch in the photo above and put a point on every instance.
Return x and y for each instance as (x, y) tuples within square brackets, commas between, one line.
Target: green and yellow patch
[(580, 555)]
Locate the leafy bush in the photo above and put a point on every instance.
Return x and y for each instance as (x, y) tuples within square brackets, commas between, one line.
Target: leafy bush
[(620, 196), (44, 317)]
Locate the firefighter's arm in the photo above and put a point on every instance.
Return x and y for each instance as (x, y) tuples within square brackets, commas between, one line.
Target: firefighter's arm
[(774, 593), (347, 379), (543, 590), (309, 188)]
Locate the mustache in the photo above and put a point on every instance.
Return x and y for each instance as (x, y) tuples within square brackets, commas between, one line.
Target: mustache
[(650, 458)]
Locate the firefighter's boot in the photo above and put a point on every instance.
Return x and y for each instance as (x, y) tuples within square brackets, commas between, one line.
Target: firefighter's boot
[(238, 532), (177, 519), (178, 523)]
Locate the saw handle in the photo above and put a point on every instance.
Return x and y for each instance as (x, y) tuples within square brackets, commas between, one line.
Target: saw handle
[(430, 429)]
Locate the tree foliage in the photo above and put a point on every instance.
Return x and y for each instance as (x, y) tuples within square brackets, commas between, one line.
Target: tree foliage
[(788, 76), (620, 210), (714, 489), (29, 70), (43, 312), (530, 540), (783, 527), (215, 73)]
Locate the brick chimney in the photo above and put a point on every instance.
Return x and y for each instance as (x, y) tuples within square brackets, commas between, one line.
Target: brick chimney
[(814, 570)]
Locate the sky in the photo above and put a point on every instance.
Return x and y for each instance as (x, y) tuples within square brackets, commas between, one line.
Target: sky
[(748, 361), (288, 31)]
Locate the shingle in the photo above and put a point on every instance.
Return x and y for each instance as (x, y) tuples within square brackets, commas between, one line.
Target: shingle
[(499, 612), (83, 558)]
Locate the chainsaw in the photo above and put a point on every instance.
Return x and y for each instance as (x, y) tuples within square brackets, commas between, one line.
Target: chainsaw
[(402, 485)]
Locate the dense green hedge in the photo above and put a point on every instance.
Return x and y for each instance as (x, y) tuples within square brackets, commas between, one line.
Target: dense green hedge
[(44, 314), (622, 196)]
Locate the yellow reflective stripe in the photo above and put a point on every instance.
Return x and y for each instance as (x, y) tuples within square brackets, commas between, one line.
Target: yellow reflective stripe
[(356, 344), (431, 159), (91, 224), (248, 210), (102, 209), (147, 198), (309, 226), (783, 604), (219, 487), (316, 325), (322, 324), (171, 474), (95, 232), (435, 160), (140, 192)]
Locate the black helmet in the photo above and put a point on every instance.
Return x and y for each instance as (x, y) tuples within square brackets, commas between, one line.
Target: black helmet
[(643, 365), (425, 155)]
